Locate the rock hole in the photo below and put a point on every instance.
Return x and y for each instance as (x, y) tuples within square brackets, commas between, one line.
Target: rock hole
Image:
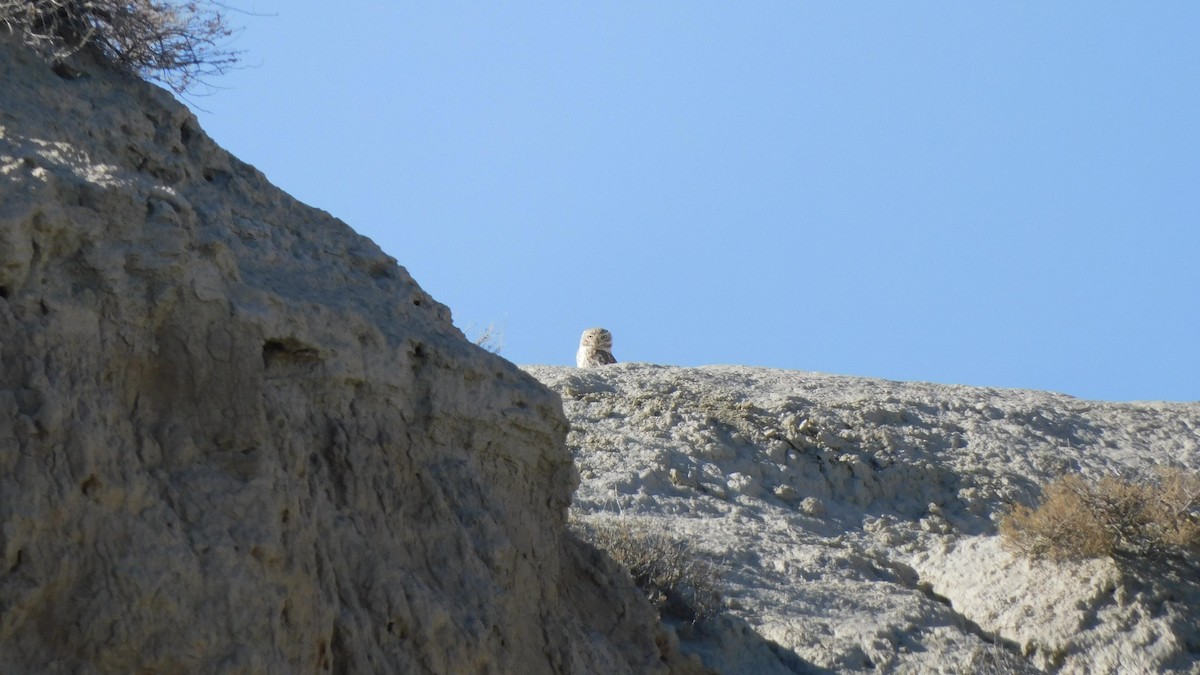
[(186, 132), (285, 516), (398, 628), (217, 176), (66, 72), (340, 650), (417, 303), (89, 486), (322, 656), (4, 292), (288, 351), (20, 559)]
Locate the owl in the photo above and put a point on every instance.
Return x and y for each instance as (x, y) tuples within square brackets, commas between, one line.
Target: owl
[(595, 348)]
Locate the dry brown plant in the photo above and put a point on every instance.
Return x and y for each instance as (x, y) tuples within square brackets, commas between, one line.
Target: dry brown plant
[(1176, 510), (176, 43), (673, 576), (1152, 517), (490, 338)]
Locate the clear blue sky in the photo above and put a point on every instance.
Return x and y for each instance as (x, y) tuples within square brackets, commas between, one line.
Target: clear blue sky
[(988, 193)]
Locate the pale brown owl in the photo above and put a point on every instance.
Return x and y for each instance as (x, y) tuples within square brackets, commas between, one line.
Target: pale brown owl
[(595, 348)]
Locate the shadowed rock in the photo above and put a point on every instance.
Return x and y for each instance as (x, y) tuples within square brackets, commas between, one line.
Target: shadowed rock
[(235, 436)]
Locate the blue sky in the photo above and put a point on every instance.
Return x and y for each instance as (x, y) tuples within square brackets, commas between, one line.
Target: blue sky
[(987, 193)]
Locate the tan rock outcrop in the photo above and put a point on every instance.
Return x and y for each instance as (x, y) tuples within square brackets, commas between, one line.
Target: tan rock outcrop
[(235, 436), (854, 521)]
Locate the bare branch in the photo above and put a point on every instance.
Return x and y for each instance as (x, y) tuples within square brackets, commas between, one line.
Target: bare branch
[(178, 44)]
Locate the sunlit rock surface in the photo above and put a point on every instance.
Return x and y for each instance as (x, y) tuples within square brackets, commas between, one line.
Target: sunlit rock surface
[(236, 437), (855, 519)]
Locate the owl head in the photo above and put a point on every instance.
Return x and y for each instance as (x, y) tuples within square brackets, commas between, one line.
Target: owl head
[(598, 338)]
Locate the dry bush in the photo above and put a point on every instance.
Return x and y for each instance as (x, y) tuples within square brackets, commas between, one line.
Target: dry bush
[(1152, 517), (176, 43), (672, 575), (1061, 527), (490, 338), (1177, 510)]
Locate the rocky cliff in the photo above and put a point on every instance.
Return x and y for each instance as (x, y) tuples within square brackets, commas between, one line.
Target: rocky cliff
[(855, 519), (236, 437)]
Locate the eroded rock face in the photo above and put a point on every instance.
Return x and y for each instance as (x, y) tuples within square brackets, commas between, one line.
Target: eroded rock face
[(235, 436), (856, 519)]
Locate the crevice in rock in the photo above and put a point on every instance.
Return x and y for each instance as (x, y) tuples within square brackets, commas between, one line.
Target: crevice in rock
[(186, 132), (67, 72), (340, 652), (323, 656), (973, 628), (216, 176), (288, 352), (89, 486)]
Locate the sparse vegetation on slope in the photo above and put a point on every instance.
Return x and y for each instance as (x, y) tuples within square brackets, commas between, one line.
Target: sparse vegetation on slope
[(677, 581), (852, 517), (1149, 517), (175, 43)]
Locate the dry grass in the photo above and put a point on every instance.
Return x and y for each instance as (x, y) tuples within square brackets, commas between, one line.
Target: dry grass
[(1152, 517), (678, 581)]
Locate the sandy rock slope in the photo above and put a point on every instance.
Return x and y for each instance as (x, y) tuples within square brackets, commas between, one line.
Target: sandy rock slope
[(236, 437), (855, 518)]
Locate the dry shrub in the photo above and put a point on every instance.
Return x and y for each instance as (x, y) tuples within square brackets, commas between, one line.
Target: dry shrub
[(176, 43), (1178, 510), (1152, 517), (490, 338), (668, 570), (1063, 526)]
